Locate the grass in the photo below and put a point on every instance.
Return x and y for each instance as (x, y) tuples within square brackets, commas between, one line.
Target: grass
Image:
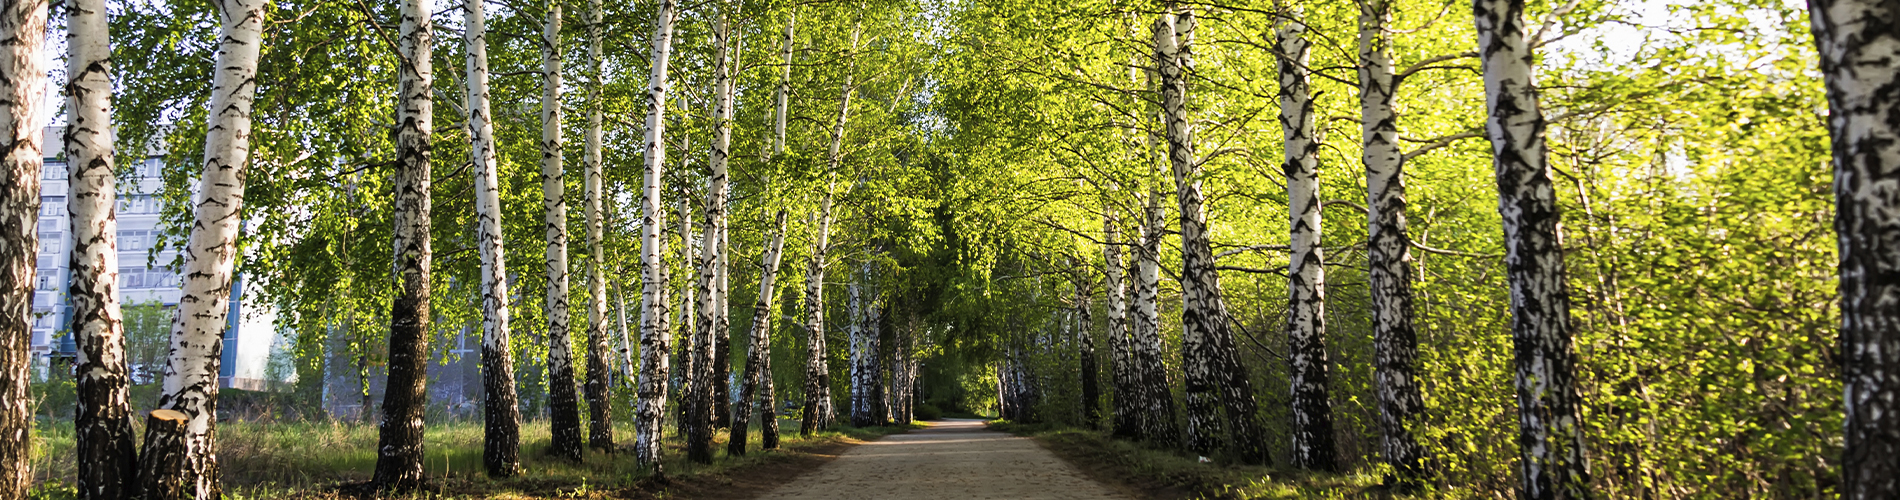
[(1164, 473), (312, 460)]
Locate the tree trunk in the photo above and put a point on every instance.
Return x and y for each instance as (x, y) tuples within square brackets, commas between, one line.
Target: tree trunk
[(710, 343), (1155, 396), (563, 405), (1388, 253), (860, 386), (191, 378), (1214, 372), (1091, 390), (653, 334), (1553, 464), (399, 459), (167, 459), (600, 431), (685, 371), (759, 351), (1128, 410), (22, 161), (1306, 287), (106, 454), (1858, 40), (501, 436), (818, 412)]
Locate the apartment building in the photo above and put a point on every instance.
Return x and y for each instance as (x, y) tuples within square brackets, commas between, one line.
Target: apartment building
[(145, 276)]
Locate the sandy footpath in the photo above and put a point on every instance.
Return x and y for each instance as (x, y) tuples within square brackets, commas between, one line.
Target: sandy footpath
[(950, 459)]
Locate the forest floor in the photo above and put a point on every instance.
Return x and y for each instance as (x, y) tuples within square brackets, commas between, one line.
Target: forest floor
[(948, 459), (1165, 474), (327, 461)]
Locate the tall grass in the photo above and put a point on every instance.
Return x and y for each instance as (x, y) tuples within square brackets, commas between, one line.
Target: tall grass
[(311, 459)]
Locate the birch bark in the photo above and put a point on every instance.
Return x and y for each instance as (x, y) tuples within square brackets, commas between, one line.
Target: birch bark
[(1388, 252), (564, 420), (501, 431), (1128, 412), (600, 433), (106, 454), (22, 163), (1214, 373), (758, 367), (191, 374), (653, 334), (1859, 44), (1306, 288), (399, 460), (818, 410), (1552, 462)]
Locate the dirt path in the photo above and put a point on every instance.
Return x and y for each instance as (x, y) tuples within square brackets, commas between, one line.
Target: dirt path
[(950, 459)]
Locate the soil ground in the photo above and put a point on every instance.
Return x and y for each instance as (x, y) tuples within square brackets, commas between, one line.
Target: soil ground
[(949, 459)]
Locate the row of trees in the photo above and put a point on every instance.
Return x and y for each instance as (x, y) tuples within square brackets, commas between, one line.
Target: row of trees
[(990, 175)]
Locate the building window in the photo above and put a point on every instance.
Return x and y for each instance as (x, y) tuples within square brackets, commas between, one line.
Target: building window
[(135, 240), (138, 204), (53, 206), (46, 281), (55, 171), (149, 168), (50, 243)]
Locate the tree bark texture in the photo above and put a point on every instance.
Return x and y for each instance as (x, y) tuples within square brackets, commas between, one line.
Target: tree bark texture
[(1091, 386), (1388, 252), (1127, 411), (653, 333), (1553, 463), (22, 163), (710, 343), (1159, 421), (563, 406), (758, 362), (501, 431), (818, 413), (399, 458), (1306, 288), (191, 375), (106, 453), (600, 430), (1859, 44), (1215, 376), (166, 461)]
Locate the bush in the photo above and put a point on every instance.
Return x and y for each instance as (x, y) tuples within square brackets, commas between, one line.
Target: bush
[(928, 411)]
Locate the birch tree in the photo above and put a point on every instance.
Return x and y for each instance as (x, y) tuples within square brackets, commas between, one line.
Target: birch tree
[(501, 432), (399, 459), (1127, 411), (1214, 373), (22, 157), (191, 372), (818, 411), (1553, 464), (703, 417), (758, 362), (653, 334), (106, 454), (1859, 45), (563, 406), (1306, 289), (1159, 424), (600, 430), (1388, 250)]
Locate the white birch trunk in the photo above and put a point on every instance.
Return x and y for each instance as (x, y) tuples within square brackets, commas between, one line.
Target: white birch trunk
[(1306, 287), (399, 461), (599, 404), (818, 413), (106, 453), (758, 366), (1157, 400), (22, 161), (1859, 48), (1128, 413), (653, 335), (1553, 463), (501, 442), (563, 407), (191, 375), (1388, 251), (1214, 372)]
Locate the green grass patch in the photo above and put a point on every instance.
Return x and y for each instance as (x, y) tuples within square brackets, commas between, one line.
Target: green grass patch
[(313, 460)]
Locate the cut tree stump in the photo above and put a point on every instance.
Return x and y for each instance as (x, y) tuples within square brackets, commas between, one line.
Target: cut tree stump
[(162, 464)]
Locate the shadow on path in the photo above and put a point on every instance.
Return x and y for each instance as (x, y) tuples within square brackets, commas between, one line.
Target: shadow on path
[(949, 459)]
